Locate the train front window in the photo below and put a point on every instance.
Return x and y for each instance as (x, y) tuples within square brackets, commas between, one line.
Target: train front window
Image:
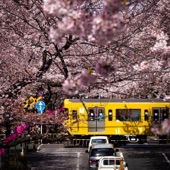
[(128, 114), (91, 115), (74, 114), (159, 114), (164, 114)]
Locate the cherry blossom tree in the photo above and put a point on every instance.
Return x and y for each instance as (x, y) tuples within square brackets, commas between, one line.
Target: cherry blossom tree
[(135, 35), (136, 65), (26, 57), (115, 48)]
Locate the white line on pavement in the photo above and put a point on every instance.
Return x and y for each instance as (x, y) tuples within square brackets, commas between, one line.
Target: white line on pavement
[(66, 152), (166, 158), (38, 148), (78, 161)]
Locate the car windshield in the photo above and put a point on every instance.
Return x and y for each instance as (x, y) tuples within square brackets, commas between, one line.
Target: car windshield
[(102, 152), (98, 141)]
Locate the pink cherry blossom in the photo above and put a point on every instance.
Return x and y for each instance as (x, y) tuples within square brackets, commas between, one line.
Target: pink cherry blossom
[(86, 78), (21, 128), (109, 23), (162, 129), (166, 126), (50, 111), (11, 137), (71, 86), (104, 68), (2, 150)]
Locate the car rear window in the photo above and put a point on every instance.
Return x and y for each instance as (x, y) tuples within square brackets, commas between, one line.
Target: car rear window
[(98, 141), (111, 162), (102, 152)]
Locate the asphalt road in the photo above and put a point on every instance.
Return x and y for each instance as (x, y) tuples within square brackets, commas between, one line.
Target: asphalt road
[(138, 157), (147, 157)]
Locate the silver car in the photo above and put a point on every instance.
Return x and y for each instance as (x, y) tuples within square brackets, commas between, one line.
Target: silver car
[(97, 151)]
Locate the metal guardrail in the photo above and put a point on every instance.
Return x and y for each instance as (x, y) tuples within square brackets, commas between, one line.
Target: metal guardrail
[(76, 142)]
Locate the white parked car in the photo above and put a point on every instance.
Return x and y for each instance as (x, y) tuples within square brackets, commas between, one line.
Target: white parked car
[(112, 163), (97, 140)]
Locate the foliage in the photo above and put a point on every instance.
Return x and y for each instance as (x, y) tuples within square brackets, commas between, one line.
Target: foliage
[(63, 47)]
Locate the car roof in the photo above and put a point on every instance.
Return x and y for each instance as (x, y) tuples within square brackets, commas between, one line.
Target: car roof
[(102, 146), (96, 137), (111, 157)]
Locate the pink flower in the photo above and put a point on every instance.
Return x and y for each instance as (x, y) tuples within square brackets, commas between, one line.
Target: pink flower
[(73, 85), (162, 129), (2, 150), (166, 126), (70, 86), (156, 130), (76, 19), (21, 128), (60, 109), (86, 77), (50, 111), (103, 68), (11, 137)]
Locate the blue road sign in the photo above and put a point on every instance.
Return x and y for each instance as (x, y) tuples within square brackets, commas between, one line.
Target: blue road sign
[(40, 106)]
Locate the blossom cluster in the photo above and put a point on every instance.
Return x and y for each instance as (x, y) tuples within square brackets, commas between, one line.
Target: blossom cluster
[(104, 68), (162, 129), (19, 130), (152, 65), (99, 27), (72, 85), (161, 45)]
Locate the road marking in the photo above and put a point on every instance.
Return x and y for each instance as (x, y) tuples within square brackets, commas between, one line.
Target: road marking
[(64, 152), (38, 148), (78, 161), (166, 158)]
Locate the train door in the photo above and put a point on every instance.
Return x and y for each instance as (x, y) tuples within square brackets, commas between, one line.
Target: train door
[(96, 119), (159, 115)]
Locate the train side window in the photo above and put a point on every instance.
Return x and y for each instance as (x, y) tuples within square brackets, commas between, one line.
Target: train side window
[(128, 114), (164, 114), (146, 115), (135, 114), (74, 114), (91, 115), (110, 115)]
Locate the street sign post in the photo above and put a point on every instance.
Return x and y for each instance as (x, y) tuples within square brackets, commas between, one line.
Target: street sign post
[(40, 106)]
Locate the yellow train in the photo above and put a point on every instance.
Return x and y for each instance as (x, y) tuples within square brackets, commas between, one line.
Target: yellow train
[(120, 119)]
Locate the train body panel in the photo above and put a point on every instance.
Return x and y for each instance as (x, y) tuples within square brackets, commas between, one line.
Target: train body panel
[(88, 117)]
